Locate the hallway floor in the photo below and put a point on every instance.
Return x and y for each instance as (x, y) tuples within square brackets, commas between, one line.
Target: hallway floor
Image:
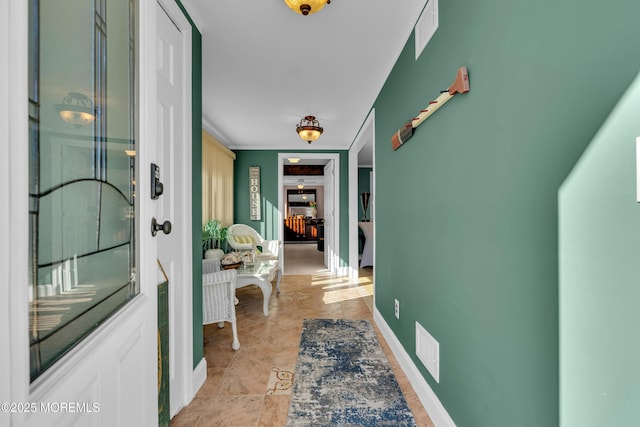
[(251, 386)]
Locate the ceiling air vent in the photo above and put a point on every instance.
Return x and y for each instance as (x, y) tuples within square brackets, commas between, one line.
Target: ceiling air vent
[(426, 26)]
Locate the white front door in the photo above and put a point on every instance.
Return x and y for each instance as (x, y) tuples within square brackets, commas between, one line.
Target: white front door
[(174, 205), (110, 377)]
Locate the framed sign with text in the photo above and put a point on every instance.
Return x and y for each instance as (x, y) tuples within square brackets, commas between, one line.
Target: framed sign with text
[(254, 193)]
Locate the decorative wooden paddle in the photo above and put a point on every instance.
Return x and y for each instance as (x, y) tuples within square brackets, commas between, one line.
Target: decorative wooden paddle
[(460, 85)]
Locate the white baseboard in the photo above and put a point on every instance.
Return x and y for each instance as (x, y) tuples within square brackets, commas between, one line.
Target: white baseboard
[(199, 375), (198, 378), (430, 401)]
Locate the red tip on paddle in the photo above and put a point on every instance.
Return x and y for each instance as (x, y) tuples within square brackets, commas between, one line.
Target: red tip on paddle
[(461, 84)]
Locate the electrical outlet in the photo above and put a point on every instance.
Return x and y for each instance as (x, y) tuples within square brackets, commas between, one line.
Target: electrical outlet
[(396, 309)]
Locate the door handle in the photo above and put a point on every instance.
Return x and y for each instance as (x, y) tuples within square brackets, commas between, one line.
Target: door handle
[(165, 227)]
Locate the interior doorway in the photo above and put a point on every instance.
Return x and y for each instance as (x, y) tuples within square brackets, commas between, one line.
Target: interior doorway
[(304, 224), (361, 154)]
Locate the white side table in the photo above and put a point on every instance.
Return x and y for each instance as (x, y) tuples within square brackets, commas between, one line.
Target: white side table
[(262, 274)]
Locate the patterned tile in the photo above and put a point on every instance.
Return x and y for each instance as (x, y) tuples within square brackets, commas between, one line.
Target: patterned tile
[(280, 381)]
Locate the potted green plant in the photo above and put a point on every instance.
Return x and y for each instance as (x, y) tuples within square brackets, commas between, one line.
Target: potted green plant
[(214, 234)]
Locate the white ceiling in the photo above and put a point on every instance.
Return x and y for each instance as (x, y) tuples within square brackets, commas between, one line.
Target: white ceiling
[(265, 67)]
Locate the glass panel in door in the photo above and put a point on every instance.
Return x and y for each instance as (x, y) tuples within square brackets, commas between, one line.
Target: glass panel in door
[(81, 171)]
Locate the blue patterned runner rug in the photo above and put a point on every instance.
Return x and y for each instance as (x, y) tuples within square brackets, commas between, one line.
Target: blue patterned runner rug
[(343, 378)]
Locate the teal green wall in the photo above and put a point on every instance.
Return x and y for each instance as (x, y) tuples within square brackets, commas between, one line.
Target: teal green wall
[(196, 177), (267, 160), (467, 210), (599, 277), (268, 163)]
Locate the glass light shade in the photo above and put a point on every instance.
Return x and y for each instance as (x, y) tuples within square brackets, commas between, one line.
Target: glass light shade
[(76, 109), (306, 7), (309, 129), (77, 117), (309, 134)]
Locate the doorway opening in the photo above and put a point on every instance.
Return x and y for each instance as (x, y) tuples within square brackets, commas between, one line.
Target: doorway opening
[(361, 165), (308, 228)]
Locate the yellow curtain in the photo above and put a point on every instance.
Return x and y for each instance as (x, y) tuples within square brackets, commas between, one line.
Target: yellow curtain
[(217, 180)]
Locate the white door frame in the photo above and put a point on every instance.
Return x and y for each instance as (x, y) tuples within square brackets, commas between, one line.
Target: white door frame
[(335, 157), (329, 208), (365, 136), (13, 194), (181, 292)]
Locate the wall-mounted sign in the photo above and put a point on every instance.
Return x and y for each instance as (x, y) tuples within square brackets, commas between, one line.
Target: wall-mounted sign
[(254, 193)]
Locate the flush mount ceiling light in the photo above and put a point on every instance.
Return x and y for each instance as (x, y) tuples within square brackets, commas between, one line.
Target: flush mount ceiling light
[(306, 7), (76, 109), (309, 129), (293, 159)]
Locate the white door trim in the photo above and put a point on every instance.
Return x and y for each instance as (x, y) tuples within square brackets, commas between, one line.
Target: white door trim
[(5, 215), (329, 208), (336, 231), (14, 358)]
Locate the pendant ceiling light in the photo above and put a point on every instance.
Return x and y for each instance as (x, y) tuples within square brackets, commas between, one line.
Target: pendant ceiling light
[(306, 7), (309, 129), (76, 109)]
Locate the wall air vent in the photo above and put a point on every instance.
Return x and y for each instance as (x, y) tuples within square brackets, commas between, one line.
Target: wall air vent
[(426, 26), (428, 351)]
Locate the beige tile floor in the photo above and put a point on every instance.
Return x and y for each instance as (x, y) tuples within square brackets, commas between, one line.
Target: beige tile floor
[(235, 392)]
